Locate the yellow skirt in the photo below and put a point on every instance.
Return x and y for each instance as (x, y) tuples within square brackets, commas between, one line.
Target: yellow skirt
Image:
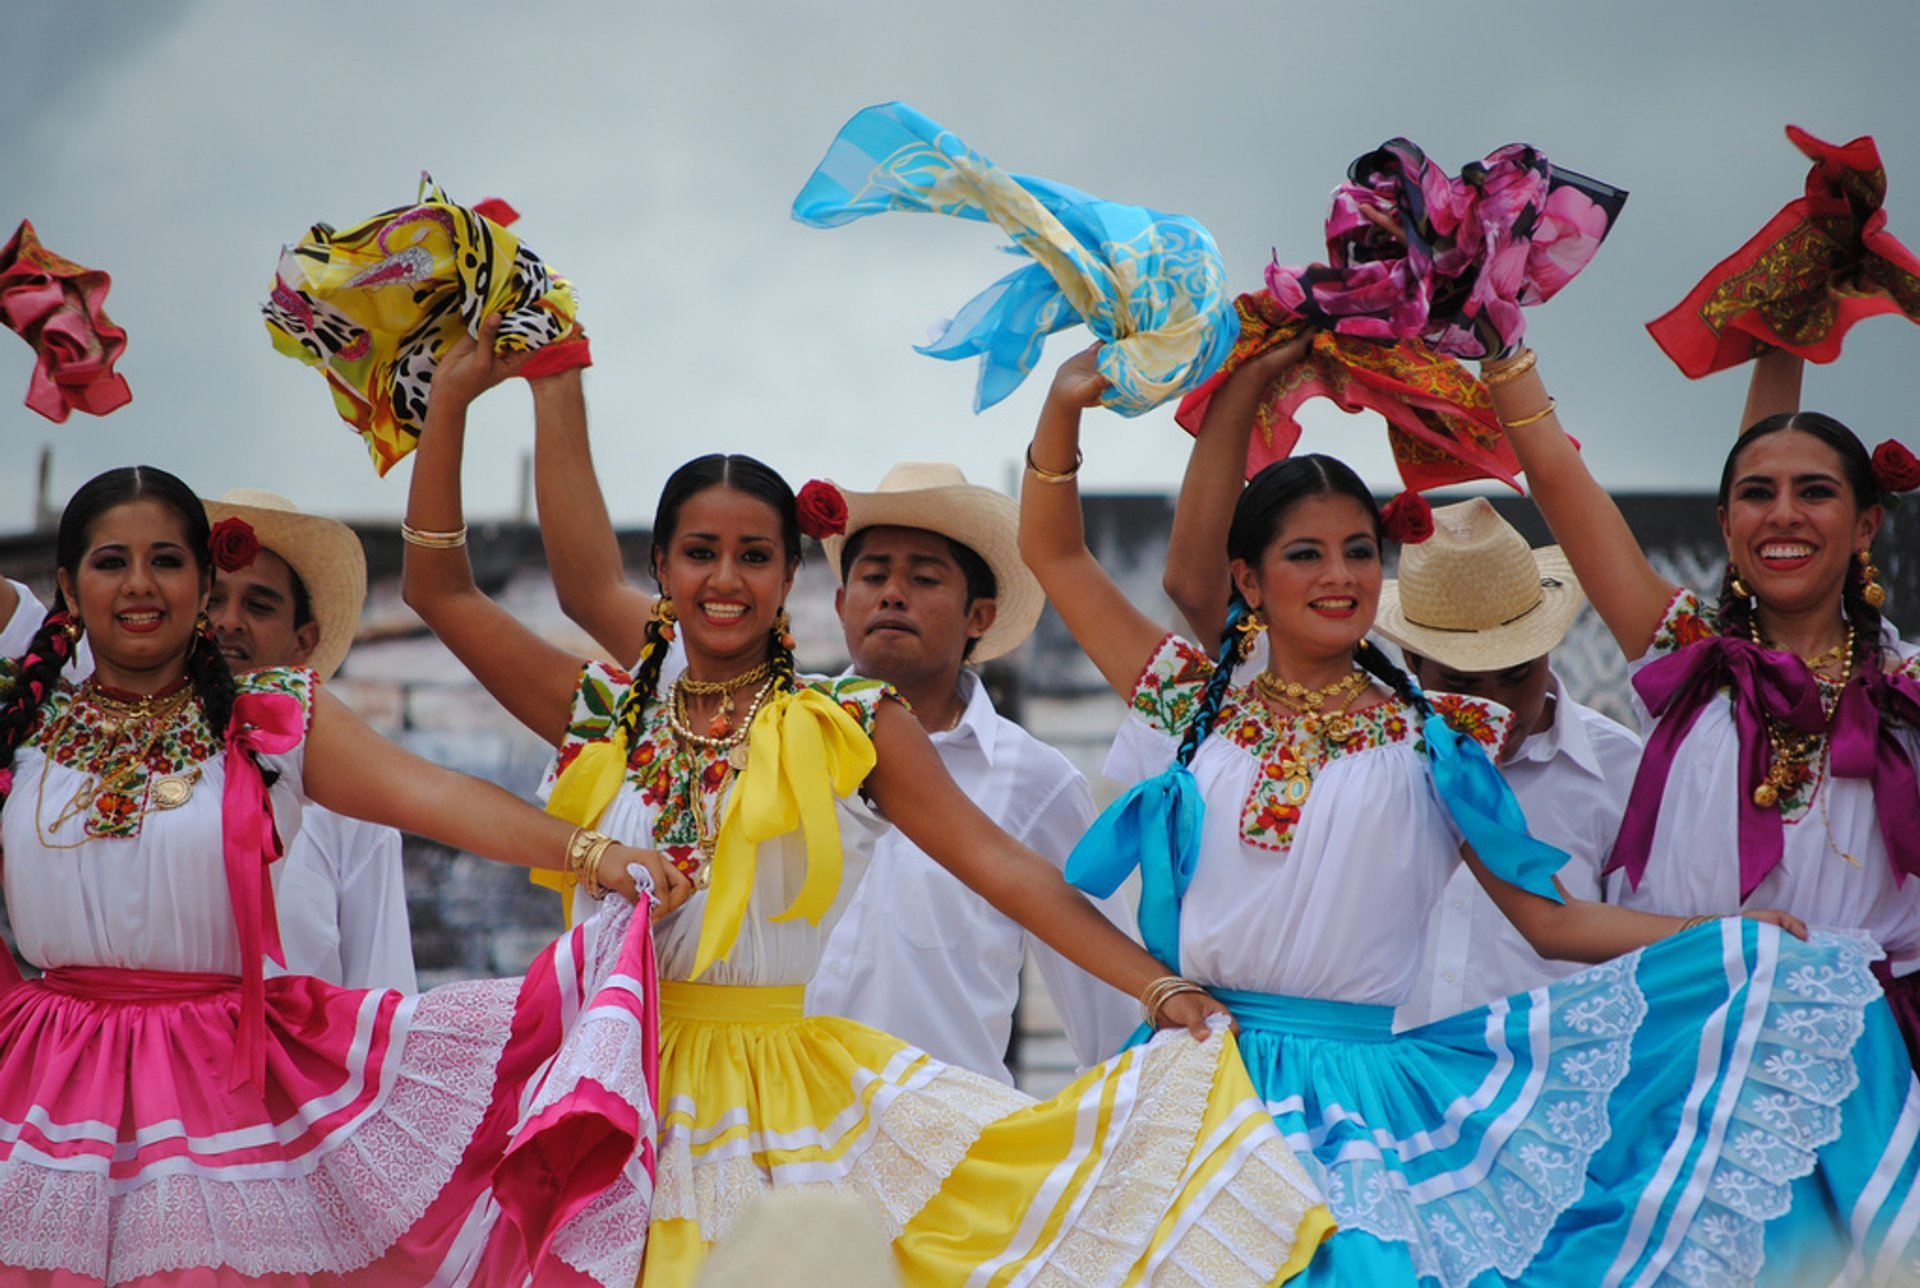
[(1160, 1166)]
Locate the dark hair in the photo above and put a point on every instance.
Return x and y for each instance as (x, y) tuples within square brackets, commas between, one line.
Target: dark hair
[(981, 583), (1856, 465), (743, 474), (40, 665), (1257, 517)]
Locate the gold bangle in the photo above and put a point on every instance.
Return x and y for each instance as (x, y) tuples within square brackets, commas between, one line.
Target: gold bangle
[(1501, 371), (1053, 476), (1540, 415), (1161, 991), (1691, 922), (433, 540), (584, 849)]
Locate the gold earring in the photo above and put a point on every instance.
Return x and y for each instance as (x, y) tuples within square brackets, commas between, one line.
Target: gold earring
[(1871, 590), (203, 624), (1250, 628), (783, 628), (1739, 587)]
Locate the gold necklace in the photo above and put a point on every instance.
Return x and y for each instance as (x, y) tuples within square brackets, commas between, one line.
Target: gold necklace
[(148, 714), (1793, 752), (722, 723), (732, 744), (1307, 704)]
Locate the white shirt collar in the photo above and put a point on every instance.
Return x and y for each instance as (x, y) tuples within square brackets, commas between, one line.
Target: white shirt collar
[(1567, 736), (978, 719)]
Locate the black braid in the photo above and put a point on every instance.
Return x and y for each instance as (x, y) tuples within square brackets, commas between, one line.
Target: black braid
[(646, 683), (35, 677), (780, 661), (1863, 617), (1218, 683), (212, 681), (1381, 667), (1735, 613)]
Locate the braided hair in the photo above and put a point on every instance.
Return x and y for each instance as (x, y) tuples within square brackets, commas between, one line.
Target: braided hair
[(1257, 518), (1856, 464), (38, 669), (742, 474)]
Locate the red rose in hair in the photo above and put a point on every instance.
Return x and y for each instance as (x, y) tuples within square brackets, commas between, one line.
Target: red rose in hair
[(232, 545), (1894, 467), (1407, 519), (823, 511)]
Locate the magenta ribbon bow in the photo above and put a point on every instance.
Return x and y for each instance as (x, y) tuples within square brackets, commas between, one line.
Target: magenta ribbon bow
[(1678, 687), (267, 723), (1864, 746), (1762, 682)]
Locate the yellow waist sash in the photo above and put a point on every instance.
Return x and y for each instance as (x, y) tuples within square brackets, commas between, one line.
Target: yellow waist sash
[(732, 1003)]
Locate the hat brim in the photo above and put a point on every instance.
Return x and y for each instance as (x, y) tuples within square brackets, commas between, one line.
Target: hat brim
[(986, 522), (330, 562), (1535, 633)]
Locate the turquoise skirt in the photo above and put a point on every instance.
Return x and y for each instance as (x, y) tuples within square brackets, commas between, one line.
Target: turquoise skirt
[(1728, 1106)]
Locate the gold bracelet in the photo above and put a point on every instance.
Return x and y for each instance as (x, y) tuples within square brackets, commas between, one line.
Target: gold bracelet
[(584, 849), (1161, 991), (1499, 372), (1540, 415), (433, 540), (1691, 922), (1053, 476)]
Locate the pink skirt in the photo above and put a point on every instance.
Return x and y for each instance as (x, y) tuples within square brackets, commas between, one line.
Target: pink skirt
[(485, 1132)]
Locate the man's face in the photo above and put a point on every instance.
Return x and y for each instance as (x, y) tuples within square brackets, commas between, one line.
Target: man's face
[(904, 608), (252, 615), (1520, 689)]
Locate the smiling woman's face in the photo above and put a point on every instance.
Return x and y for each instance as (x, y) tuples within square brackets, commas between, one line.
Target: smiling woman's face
[(1318, 581), (728, 573), (1791, 523), (138, 589)]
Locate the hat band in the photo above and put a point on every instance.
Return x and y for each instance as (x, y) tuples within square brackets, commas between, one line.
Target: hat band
[(1472, 630)]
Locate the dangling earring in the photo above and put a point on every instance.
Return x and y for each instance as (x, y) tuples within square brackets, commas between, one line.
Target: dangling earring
[(1871, 590), (663, 613), (73, 629), (1738, 587), (203, 625), (783, 628), (1250, 628)]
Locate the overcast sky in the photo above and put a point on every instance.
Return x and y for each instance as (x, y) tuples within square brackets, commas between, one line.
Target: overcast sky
[(654, 150)]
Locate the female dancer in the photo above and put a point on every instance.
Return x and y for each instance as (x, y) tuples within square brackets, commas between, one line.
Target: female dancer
[(1160, 1168), (172, 1117), (1569, 1135)]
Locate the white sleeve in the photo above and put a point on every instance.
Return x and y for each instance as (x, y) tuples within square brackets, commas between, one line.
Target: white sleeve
[(376, 944), (1097, 1016), (18, 631)]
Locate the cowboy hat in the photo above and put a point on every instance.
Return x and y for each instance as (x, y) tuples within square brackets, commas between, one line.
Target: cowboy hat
[(323, 553), (936, 497), (1475, 597)]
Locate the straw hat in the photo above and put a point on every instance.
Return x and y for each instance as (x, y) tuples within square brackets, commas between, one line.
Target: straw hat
[(936, 496), (325, 554), (1474, 597)]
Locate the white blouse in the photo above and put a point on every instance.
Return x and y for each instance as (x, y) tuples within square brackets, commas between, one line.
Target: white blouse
[(667, 790), (1327, 900), (128, 883), (1693, 866)]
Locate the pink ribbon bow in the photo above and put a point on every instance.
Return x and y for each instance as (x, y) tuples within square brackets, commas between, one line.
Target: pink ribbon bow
[(261, 723)]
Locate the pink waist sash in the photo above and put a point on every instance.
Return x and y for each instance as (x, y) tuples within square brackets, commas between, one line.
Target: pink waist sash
[(121, 984)]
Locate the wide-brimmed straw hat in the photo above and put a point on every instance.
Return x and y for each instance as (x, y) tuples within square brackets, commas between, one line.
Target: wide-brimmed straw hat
[(325, 554), (936, 496), (1475, 597)]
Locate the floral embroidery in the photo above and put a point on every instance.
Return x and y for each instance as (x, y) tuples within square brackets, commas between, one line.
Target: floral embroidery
[(677, 782), (74, 732), (1688, 621), (1169, 689)]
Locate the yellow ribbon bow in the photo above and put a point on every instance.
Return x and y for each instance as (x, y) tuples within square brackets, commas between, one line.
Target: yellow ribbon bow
[(803, 752)]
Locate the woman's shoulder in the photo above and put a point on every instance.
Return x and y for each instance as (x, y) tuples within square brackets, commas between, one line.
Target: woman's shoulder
[(1167, 693), (1688, 620), (1486, 722), (859, 696)]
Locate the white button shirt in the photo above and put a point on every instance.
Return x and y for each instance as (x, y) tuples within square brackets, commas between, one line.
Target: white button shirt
[(1572, 780), (342, 902), (918, 954)]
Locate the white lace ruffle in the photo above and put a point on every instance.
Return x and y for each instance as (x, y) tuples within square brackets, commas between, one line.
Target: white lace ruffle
[(332, 1213), (1789, 1107), (1501, 1221)]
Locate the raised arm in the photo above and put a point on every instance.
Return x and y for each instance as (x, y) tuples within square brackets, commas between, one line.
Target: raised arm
[(1774, 387), (911, 785), (1053, 539), (352, 770), (1623, 587), (582, 553), (1196, 577), (1582, 931), (532, 679)]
